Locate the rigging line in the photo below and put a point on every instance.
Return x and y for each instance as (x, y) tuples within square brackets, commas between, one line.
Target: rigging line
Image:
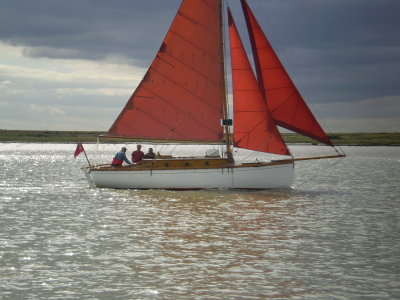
[(173, 149), (340, 148), (251, 155), (312, 177), (248, 157), (172, 129)]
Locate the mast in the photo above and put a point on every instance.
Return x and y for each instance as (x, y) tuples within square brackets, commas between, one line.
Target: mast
[(227, 123)]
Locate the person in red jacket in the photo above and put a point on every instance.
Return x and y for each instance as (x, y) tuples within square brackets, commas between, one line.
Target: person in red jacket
[(137, 155), (119, 158)]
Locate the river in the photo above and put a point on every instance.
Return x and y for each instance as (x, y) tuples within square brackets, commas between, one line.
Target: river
[(334, 235)]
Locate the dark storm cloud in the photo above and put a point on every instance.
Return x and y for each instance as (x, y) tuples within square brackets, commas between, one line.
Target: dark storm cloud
[(338, 51), (87, 29), (334, 23), (354, 46), (94, 29)]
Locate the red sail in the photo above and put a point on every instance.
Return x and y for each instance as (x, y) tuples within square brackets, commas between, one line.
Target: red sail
[(182, 95), (283, 99), (253, 125)]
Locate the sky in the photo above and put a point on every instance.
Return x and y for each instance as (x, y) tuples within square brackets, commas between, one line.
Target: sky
[(72, 65)]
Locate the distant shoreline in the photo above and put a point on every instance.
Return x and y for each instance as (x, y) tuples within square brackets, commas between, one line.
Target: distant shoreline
[(44, 136)]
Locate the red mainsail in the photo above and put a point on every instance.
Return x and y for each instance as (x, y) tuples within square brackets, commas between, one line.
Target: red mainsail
[(285, 103), (182, 95), (254, 128)]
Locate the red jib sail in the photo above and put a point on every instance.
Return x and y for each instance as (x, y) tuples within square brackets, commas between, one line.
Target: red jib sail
[(182, 95), (253, 125), (283, 99)]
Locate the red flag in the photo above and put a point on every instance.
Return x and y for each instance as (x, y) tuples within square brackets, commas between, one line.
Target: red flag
[(79, 149)]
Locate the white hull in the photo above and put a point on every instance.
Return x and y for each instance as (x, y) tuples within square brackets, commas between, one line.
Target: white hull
[(265, 176)]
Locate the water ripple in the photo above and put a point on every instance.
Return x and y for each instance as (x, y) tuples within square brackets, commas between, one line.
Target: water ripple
[(334, 237)]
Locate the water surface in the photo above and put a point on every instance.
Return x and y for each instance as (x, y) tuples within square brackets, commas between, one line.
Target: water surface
[(334, 235)]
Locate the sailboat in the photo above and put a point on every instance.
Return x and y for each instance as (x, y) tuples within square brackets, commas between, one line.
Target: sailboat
[(182, 99)]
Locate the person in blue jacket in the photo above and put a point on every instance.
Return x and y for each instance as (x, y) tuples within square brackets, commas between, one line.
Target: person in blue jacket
[(119, 158)]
